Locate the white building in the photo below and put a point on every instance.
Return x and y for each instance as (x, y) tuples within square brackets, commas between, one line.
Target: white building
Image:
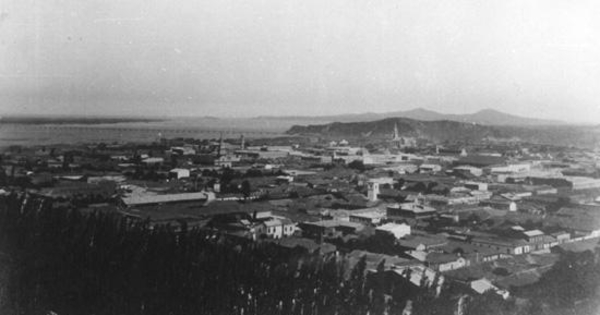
[(469, 169), (398, 230), (476, 186), (278, 228), (430, 168), (179, 173), (153, 160)]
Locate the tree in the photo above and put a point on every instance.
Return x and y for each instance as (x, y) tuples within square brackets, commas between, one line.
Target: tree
[(378, 304), (357, 165), (245, 189)]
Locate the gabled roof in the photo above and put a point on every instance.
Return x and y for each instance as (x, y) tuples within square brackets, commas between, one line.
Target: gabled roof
[(533, 233)]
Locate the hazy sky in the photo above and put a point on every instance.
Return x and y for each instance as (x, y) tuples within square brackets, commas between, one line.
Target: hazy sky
[(310, 57)]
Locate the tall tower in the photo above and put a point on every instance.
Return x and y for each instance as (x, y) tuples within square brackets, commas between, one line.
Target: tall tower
[(243, 143), (373, 190), (396, 139)]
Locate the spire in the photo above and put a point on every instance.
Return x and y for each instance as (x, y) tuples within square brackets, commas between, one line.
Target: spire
[(396, 136)]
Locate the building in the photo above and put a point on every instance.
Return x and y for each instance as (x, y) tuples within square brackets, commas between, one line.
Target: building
[(374, 186), (153, 161), (410, 211), (227, 161), (484, 285), (444, 262), (583, 183), (184, 150), (402, 142), (367, 218), (179, 173), (329, 228), (398, 230), (505, 246), (430, 168), (475, 171), (476, 186), (509, 168), (140, 201), (278, 228)]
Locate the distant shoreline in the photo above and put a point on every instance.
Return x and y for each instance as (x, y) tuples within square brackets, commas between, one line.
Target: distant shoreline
[(72, 120)]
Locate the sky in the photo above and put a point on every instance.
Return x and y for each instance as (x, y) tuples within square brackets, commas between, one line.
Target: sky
[(238, 58)]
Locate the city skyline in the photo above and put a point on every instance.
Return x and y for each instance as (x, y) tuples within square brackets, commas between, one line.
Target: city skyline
[(279, 58)]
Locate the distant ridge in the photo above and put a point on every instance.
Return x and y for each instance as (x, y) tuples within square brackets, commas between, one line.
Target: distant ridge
[(453, 131), (485, 117)]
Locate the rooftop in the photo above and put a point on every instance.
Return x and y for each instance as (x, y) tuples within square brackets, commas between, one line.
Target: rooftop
[(135, 200)]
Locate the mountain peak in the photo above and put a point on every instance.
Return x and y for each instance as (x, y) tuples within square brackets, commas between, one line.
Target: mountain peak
[(489, 111)]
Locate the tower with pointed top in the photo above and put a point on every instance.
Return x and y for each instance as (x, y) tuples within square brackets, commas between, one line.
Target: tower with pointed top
[(396, 139)]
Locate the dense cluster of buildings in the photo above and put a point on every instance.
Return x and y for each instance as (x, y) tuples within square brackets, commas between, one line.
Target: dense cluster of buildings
[(477, 214)]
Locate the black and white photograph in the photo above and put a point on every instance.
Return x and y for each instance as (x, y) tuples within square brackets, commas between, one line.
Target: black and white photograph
[(299, 157)]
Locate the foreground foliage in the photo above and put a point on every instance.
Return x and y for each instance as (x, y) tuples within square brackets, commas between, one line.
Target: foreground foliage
[(62, 261)]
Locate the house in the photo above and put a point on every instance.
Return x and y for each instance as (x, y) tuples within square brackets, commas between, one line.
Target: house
[(509, 168), (479, 160), (227, 161), (159, 200), (367, 218), (329, 228), (473, 254), (430, 168), (561, 237), (503, 245), (475, 171), (398, 230), (476, 186), (278, 228), (444, 262), (153, 161), (184, 150), (484, 285), (179, 173), (422, 242), (410, 211)]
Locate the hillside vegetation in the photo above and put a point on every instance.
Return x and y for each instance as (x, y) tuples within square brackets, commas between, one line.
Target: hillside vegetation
[(445, 130)]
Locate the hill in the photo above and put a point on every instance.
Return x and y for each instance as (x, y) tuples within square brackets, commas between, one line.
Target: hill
[(446, 130), (485, 117)]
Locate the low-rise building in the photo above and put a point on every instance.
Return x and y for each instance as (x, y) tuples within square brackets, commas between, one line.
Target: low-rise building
[(367, 218), (278, 228), (140, 201), (410, 211), (430, 168), (398, 230), (179, 173)]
